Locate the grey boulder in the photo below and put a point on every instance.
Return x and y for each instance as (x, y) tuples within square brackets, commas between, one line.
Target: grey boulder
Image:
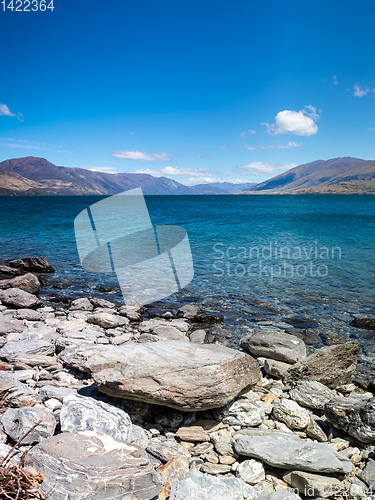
[(368, 474), (82, 304), (275, 345), (195, 314), (54, 392), (13, 349), (14, 393), (90, 466), (177, 374), (330, 365), (32, 264), (107, 321), (311, 394), (28, 282), (354, 415), (19, 298), (80, 413), (287, 451), (313, 485), (17, 421)]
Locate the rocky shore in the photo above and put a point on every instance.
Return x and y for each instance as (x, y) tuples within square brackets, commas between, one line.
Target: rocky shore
[(131, 403)]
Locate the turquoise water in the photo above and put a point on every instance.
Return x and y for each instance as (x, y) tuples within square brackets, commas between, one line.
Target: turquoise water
[(255, 257)]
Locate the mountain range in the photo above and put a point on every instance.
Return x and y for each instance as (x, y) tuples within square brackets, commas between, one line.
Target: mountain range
[(37, 176), (338, 175)]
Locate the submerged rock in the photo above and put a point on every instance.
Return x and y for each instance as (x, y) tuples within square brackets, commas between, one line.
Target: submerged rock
[(195, 314), (331, 365), (90, 466), (177, 374), (287, 451)]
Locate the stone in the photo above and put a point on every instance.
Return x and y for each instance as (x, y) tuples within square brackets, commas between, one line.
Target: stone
[(81, 413), (291, 413), (28, 314), (72, 326), (32, 264), (287, 451), (53, 404), (176, 374), (82, 304), (196, 315), (314, 431), (138, 436), (364, 322), (211, 468), (96, 302), (106, 320), (275, 368), (368, 474), (355, 415), (213, 488), (13, 349), (251, 471), (166, 332), (166, 450), (14, 393), (313, 485), (54, 392), (222, 440), (199, 337), (38, 360), (242, 412), (173, 472), (89, 466), (280, 494), (9, 270), (275, 345), (19, 298), (131, 312), (194, 433), (28, 282), (311, 394), (17, 421), (331, 365), (15, 455)]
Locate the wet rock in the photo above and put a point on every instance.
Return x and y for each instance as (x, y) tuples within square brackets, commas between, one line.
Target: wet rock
[(19, 298), (89, 466), (311, 394), (275, 345), (166, 450), (177, 374), (291, 413), (28, 282), (9, 270), (196, 315), (32, 264), (107, 320), (211, 487), (313, 485), (17, 421), (331, 365), (80, 413), (299, 322), (275, 368), (364, 322), (13, 349), (14, 393), (242, 412), (251, 471), (307, 336), (287, 451), (355, 415), (82, 304)]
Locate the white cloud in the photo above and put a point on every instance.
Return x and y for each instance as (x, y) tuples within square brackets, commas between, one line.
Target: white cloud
[(261, 168), (243, 134), (9, 142), (359, 91), (190, 175), (334, 80), (185, 172), (295, 122), (141, 155), (372, 129), (290, 144), (5, 111), (105, 170)]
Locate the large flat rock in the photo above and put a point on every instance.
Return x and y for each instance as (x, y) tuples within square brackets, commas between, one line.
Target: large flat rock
[(19, 298), (177, 374), (287, 451), (275, 345), (90, 466)]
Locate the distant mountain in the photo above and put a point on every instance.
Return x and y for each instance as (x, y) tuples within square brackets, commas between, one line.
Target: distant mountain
[(32, 176), (222, 187), (338, 175)]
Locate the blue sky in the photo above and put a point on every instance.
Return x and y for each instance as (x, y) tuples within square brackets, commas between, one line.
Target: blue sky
[(195, 90)]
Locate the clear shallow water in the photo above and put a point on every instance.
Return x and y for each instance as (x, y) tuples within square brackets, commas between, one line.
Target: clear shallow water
[(255, 257)]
